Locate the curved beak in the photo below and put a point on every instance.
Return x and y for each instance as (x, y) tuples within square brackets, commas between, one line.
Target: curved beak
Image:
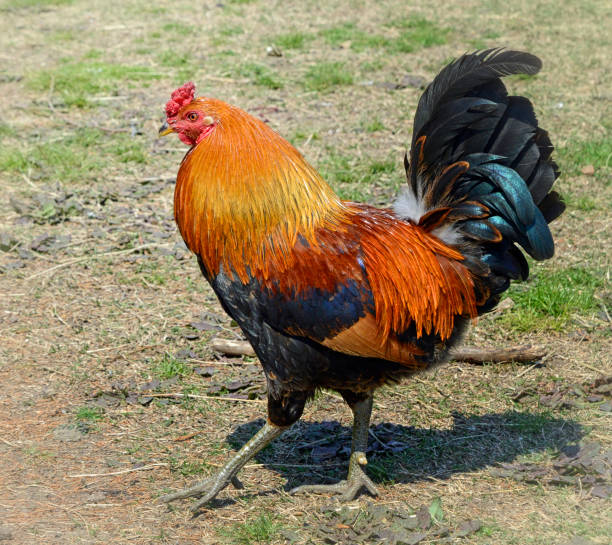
[(165, 129)]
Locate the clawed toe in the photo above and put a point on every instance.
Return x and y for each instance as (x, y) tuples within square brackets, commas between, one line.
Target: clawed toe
[(206, 491), (348, 489)]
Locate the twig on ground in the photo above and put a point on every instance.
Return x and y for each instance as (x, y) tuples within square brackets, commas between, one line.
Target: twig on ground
[(143, 468), (135, 348), (95, 256), (187, 436), (478, 356), (219, 398), (525, 371), (469, 354), (604, 373)]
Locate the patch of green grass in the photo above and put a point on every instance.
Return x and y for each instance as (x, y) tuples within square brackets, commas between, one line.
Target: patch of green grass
[(299, 137), (327, 75), (80, 156), (373, 125), (169, 367), (514, 78), (585, 203), (92, 414), (17, 4), (78, 82), (5, 130), (382, 470), (352, 179), (231, 30), (188, 467), (484, 41), (35, 452), (260, 529), (338, 169), (180, 63), (68, 159), (377, 167), (416, 33), (371, 66), (261, 75), (489, 529), (548, 299), (93, 54), (178, 28), (348, 32), (63, 36), (528, 424), (127, 149), (577, 154), (292, 40)]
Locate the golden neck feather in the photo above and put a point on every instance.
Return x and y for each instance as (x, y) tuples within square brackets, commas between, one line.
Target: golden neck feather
[(244, 194)]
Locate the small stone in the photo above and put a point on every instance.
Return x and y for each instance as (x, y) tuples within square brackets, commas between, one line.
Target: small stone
[(410, 80), (7, 241), (205, 371), (412, 539), (588, 170), (273, 51), (290, 535), (603, 491), (578, 540), (606, 407)]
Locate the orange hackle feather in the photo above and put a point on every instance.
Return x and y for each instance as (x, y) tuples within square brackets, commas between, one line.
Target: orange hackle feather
[(244, 194), (248, 204)]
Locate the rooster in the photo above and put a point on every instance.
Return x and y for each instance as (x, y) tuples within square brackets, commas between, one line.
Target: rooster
[(341, 295)]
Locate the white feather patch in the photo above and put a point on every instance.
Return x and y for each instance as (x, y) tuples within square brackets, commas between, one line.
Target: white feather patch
[(448, 234), (409, 206)]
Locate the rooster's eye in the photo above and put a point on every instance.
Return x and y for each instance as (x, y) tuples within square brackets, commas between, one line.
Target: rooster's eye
[(192, 116)]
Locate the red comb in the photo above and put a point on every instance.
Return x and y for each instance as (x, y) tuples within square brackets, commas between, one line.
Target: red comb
[(179, 98)]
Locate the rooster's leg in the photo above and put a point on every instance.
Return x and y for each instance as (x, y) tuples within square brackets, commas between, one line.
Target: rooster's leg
[(210, 487), (357, 479)]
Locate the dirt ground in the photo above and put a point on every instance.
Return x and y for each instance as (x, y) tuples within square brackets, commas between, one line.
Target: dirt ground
[(110, 392)]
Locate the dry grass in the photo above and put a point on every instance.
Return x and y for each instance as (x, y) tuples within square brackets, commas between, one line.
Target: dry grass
[(108, 309)]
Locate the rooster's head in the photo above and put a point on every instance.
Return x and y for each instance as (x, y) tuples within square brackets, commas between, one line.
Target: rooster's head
[(188, 116)]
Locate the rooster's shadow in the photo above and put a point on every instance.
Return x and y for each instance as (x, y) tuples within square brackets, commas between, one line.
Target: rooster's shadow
[(312, 451)]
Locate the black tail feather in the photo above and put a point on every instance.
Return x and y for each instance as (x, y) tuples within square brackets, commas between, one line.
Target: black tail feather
[(468, 73), (480, 153)]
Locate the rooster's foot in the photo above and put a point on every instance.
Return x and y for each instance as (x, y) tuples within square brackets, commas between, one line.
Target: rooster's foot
[(209, 488), (348, 489), (206, 490)]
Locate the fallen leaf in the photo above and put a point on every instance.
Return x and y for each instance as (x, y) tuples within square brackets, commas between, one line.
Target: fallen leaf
[(187, 436), (467, 527), (435, 510), (324, 452), (424, 517)]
